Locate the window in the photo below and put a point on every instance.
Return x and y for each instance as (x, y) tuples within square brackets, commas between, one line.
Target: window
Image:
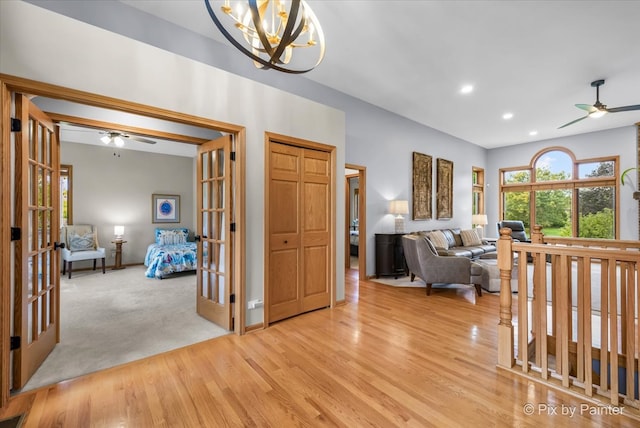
[(477, 203), (567, 197), (66, 174)]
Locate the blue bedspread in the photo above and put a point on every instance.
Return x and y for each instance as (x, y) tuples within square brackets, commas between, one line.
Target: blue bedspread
[(163, 260)]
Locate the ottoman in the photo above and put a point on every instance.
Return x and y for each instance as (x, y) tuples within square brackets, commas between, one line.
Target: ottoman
[(490, 280)]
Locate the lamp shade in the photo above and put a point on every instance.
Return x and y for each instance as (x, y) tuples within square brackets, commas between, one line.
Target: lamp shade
[(480, 219), (118, 231), (399, 207)]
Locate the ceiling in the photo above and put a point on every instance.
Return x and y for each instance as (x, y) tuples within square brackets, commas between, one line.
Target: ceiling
[(535, 59)]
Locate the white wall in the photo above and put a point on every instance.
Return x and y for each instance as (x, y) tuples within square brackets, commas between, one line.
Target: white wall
[(618, 141), (103, 194), (73, 54)]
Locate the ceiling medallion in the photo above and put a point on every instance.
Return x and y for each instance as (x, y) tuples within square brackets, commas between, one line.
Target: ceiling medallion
[(282, 35)]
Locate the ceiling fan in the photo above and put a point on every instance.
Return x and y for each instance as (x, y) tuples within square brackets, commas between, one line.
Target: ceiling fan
[(598, 109), (117, 138)]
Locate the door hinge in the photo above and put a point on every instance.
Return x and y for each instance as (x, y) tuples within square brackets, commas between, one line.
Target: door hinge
[(16, 233), (233, 156), (233, 227), (16, 125), (232, 298), (14, 343)]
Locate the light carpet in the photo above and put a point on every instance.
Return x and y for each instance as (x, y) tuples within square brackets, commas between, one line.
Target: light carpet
[(118, 317)]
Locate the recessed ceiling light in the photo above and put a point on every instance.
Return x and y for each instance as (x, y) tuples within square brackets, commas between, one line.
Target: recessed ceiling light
[(507, 116), (466, 89), (532, 133)]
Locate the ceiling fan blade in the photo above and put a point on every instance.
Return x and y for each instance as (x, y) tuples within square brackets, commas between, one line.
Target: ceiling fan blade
[(587, 107), (625, 108), (573, 121), (140, 139)]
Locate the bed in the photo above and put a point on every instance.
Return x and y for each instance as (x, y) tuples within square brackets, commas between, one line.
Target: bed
[(170, 253), (354, 241)]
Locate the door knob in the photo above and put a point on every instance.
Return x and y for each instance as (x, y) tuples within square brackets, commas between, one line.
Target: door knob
[(57, 245)]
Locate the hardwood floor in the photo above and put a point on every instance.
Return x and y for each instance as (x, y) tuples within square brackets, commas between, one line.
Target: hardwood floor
[(388, 357)]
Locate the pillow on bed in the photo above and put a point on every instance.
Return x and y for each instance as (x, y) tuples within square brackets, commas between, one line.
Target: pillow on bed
[(171, 236)]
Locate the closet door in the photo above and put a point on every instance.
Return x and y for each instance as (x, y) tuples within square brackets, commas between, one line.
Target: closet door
[(299, 230)]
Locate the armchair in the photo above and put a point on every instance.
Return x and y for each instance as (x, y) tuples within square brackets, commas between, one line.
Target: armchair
[(518, 231), (81, 243), (425, 263)]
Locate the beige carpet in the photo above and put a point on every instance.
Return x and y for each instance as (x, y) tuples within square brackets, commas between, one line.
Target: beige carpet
[(118, 317)]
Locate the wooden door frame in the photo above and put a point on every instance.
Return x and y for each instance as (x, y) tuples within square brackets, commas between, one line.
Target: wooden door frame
[(362, 219), (270, 137), (9, 84)]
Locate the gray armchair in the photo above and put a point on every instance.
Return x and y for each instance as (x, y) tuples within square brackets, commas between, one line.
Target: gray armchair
[(425, 263)]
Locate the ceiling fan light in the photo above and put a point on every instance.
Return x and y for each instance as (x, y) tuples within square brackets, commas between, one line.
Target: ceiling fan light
[(598, 113), (118, 141), (105, 139)]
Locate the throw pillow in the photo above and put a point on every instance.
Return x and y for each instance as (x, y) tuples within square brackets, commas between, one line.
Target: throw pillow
[(172, 237), (470, 238), (82, 242), (439, 240)]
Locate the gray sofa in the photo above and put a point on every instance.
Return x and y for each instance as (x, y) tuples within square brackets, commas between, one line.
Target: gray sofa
[(454, 245)]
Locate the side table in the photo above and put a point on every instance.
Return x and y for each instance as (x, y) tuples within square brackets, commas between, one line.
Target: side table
[(118, 263)]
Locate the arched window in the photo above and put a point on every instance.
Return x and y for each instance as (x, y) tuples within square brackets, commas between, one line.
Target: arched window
[(567, 197)]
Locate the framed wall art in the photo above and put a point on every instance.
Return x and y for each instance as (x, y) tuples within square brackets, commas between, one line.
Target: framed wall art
[(165, 208), (444, 192), (422, 186)]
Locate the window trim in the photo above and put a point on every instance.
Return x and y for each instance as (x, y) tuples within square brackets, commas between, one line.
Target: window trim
[(574, 184)]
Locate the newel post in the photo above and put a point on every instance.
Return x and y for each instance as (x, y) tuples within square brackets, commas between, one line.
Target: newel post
[(505, 327), (537, 237)]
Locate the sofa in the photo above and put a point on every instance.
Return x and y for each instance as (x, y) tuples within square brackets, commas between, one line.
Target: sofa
[(459, 243)]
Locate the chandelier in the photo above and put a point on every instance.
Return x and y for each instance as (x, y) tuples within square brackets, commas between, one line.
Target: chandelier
[(269, 31)]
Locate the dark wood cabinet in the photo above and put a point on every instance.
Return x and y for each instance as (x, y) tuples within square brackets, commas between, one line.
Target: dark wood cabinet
[(390, 255)]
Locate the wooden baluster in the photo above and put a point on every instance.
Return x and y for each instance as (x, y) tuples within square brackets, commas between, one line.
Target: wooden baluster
[(613, 331), (505, 327)]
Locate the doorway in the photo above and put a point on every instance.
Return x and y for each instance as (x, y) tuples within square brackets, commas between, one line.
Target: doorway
[(356, 219), (10, 85)]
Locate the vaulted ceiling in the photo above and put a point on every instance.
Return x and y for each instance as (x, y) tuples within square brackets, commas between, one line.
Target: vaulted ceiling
[(534, 59)]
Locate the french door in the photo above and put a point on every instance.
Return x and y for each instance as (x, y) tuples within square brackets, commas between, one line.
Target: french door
[(37, 208), (214, 203)]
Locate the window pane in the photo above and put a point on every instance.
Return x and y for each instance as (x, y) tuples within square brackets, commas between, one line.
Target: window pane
[(595, 169), (554, 166), (553, 212), (516, 207), (523, 176), (475, 204), (596, 212)]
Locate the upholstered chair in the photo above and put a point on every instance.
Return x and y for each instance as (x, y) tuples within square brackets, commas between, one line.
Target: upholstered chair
[(518, 231), (425, 263), (81, 243)]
